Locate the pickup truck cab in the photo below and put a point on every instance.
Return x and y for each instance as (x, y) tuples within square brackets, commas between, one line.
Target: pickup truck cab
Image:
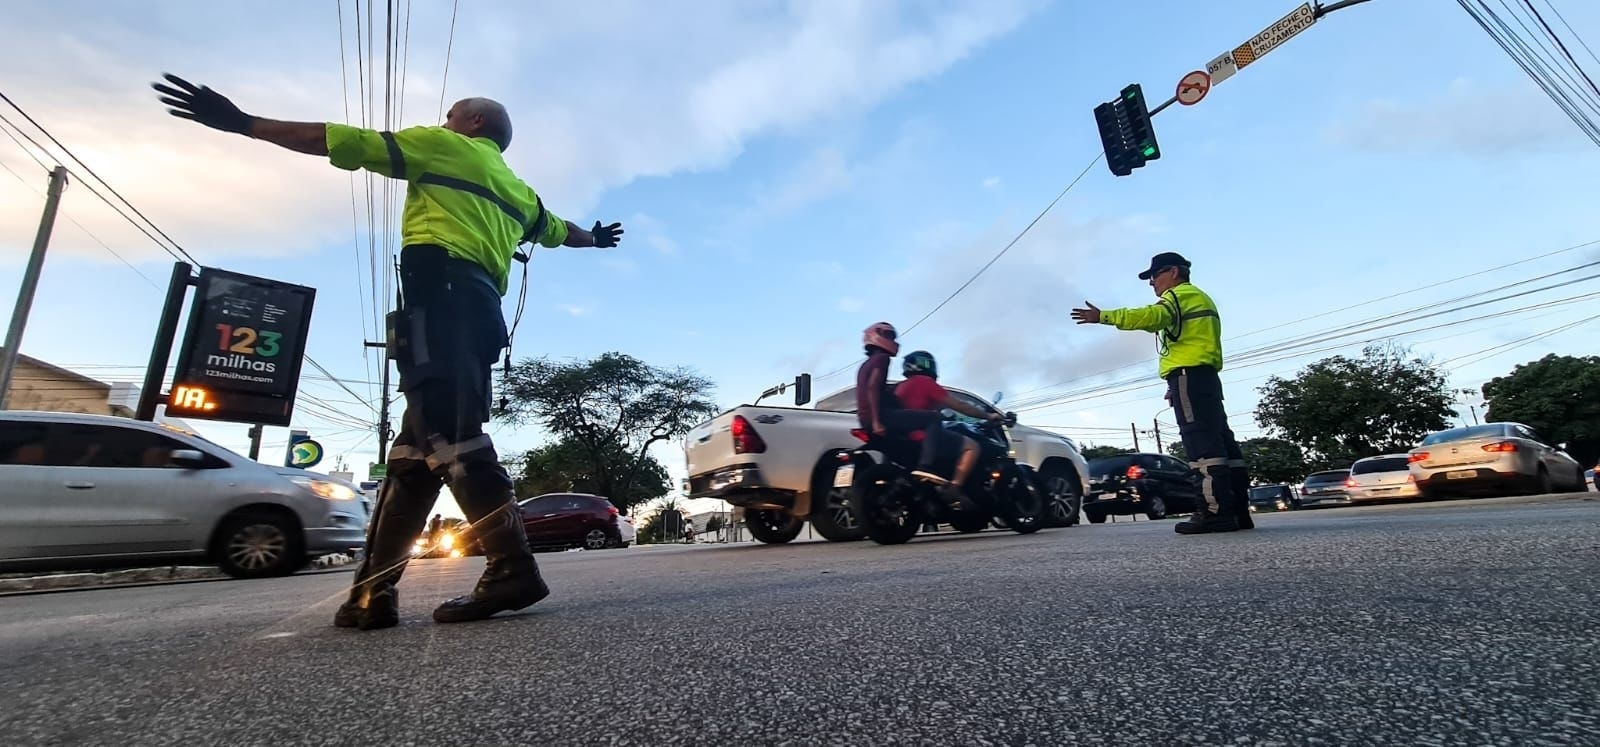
[(779, 466)]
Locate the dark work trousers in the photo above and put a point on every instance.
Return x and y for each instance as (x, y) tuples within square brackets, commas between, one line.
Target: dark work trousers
[(1196, 396), (900, 423), (445, 340)]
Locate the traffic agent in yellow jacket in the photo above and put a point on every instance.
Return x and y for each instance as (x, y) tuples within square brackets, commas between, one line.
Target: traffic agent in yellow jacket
[(1188, 332), (465, 213)]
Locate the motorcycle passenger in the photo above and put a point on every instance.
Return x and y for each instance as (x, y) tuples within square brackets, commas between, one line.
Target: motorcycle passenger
[(921, 392)]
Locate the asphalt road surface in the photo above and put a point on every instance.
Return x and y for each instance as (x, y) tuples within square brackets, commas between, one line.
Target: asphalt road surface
[(1464, 623)]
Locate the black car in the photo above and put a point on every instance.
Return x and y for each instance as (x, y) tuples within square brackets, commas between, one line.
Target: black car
[(1151, 484), (1272, 498)]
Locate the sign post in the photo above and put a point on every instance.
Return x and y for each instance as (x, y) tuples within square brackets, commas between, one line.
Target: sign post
[(242, 352)]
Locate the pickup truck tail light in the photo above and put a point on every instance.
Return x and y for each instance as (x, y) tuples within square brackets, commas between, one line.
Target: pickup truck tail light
[(1135, 472), (1502, 446), (745, 438)]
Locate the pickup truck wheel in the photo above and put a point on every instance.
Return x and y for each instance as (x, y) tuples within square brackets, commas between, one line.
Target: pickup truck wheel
[(772, 527), (831, 513), (886, 503), (1065, 494)]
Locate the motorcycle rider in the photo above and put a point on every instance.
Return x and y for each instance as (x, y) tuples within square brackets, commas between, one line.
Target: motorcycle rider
[(920, 392), (879, 411)]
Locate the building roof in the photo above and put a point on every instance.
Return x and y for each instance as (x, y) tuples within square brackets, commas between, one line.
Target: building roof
[(54, 369)]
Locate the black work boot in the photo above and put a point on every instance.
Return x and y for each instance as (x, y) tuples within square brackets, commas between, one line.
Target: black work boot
[(370, 607), (511, 579), (1205, 522), (1241, 494), (506, 585)]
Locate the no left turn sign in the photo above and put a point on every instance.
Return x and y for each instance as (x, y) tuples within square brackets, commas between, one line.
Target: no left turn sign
[(1193, 87)]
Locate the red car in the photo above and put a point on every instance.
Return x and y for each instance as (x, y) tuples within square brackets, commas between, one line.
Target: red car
[(561, 520)]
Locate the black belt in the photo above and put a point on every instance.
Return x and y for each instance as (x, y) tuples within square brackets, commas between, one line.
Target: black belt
[(430, 262)]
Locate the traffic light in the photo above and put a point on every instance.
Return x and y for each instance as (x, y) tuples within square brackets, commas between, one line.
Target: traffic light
[(1125, 131)]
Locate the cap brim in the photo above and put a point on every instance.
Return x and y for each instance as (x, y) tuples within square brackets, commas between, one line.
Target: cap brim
[(1146, 274)]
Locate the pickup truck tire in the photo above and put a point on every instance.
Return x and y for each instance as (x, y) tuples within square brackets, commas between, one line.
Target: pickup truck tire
[(1064, 492), (831, 513), (865, 497), (772, 527)]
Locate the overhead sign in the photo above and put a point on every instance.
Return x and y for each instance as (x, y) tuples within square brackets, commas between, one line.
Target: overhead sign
[(1228, 63), (377, 471), (243, 349), (305, 454), (1193, 87)]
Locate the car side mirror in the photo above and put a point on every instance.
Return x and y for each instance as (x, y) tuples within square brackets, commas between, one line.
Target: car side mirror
[(188, 458)]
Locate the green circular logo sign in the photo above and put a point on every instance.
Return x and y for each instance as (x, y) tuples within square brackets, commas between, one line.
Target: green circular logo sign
[(306, 454)]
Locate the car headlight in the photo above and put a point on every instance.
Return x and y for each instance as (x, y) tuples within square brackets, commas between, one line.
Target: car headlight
[(447, 540), (325, 489)]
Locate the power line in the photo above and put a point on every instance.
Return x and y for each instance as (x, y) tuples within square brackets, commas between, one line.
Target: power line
[(1562, 45), (450, 45), (992, 260)]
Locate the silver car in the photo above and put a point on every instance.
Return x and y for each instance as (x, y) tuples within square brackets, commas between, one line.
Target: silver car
[(1493, 458), (94, 490), (1379, 478), (1324, 489)]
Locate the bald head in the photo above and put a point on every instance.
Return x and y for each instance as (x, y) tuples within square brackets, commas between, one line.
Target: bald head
[(481, 117)]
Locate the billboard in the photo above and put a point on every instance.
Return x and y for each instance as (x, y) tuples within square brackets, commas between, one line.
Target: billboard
[(242, 351)]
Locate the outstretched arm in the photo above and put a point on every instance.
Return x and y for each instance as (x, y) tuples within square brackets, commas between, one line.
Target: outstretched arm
[(212, 109), (603, 237)]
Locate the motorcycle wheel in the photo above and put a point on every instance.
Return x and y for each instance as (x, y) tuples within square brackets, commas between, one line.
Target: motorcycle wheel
[(885, 502), (1022, 502)]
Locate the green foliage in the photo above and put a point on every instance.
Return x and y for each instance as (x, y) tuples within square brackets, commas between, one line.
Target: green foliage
[(654, 528), (715, 524), (566, 465), (1558, 396), (1101, 452), (1342, 409), (1176, 451), (604, 413), (1274, 460)]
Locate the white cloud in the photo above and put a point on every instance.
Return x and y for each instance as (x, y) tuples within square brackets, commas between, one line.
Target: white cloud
[(668, 92), (1466, 117), (572, 309), (991, 182), (851, 305)]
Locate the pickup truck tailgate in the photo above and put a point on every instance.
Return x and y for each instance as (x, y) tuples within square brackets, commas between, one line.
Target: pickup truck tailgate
[(709, 446)]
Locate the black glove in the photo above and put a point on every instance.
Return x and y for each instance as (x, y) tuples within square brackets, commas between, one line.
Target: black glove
[(606, 237), (202, 105)]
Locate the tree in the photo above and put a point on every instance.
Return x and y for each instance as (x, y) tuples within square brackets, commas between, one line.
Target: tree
[(610, 410), (564, 465), (1342, 409), (1101, 452), (1274, 460), (654, 530), (1558, 396), (1176, 451), (715, 523)]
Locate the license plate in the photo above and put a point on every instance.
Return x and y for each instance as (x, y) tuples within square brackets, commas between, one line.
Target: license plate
[(844, 476), (1461, 474)]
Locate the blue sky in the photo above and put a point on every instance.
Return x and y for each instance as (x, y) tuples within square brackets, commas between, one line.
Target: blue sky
[(789, 172)]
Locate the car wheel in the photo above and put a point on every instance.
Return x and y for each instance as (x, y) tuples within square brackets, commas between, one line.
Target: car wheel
[(259, 546), (1545, 485), (1064, 493), (1156, 508), (831, 513), (596, 539), (772, 527)]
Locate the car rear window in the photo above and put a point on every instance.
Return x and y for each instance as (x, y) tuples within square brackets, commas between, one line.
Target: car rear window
[(1488, 430), (1385, 464), (1111, 465), (1268, 491), (1322, 477)]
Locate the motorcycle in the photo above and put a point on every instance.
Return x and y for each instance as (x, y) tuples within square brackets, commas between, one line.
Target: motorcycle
[(892, 505)]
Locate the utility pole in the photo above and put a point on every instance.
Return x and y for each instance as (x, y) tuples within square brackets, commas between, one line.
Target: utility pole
[(1135, 430), (30, 282), (255, 442), (383, 380), (1156, 423)]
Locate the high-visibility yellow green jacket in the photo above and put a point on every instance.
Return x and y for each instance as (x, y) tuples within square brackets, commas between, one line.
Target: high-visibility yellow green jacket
[(460, 194), (1188, 329)]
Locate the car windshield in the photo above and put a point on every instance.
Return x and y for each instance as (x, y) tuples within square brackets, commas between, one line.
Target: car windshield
[(1488, 430), (1324, 477), (1381, 464), (1269, 491)]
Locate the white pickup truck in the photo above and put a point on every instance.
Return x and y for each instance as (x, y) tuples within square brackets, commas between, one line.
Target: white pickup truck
[(778, 465)]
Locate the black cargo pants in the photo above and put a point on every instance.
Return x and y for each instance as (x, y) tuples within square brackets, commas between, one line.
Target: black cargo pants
[(445, 341), (1196, 396)]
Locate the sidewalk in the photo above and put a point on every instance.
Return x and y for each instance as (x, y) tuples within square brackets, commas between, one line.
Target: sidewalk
[(23, 582)]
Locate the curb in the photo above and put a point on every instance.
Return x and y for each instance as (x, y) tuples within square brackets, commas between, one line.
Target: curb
[(139, 576)]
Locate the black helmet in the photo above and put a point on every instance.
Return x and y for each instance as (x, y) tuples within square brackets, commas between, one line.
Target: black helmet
[(920, 362)]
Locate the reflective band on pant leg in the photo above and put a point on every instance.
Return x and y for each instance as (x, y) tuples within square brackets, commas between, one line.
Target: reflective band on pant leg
[(1213, 471), (446, 454), (1183, 397)]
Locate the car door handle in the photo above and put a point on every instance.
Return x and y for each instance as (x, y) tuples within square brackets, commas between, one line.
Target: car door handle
[(546, 516), (80, 485)]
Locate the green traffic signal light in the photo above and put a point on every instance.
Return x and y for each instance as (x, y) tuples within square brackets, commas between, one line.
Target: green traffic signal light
[(1148, 151)]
